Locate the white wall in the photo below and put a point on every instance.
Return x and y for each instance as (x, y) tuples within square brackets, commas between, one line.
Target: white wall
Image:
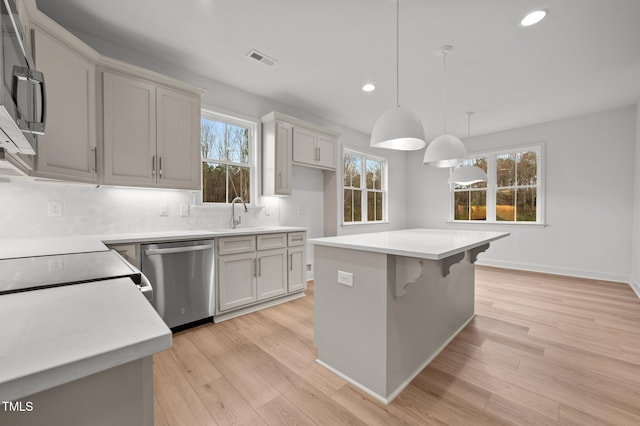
[(635, 249), (589, 197)]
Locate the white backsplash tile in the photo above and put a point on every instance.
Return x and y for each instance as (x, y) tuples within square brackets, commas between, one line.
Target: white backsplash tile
[(87, 209)]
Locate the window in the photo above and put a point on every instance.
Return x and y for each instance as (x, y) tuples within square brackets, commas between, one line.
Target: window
[(470, 201), (513, 193), (226, 144), (364, 188)]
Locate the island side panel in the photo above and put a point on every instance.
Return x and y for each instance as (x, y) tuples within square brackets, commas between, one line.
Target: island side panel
[(431, 312), (350, 322)]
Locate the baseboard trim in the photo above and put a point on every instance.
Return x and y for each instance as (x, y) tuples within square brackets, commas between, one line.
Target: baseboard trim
[(635, 287), (387, 400), (546, 269), (254, 308)]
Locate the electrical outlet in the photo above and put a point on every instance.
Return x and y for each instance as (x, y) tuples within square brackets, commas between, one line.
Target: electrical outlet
[(267, 211), (54, 209), (163, 210), (308, 267), (300, 210), (345, 278), (184, 210)]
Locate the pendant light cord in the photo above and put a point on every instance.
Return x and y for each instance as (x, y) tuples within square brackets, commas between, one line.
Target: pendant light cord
[(398, 53), (444, 91)]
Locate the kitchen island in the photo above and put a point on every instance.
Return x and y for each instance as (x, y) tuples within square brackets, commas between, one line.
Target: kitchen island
[(387, 303)]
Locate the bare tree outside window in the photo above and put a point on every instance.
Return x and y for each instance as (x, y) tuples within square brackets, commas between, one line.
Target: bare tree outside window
[(226, 167), (363, 187)]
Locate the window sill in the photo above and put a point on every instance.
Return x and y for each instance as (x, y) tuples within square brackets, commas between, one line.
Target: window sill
[(469, 222), (349, 224)]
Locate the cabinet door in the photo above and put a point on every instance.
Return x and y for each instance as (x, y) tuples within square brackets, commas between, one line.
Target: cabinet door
[(129, 131), (284, 140), (326, 152), (178, 139), (271, 273), (67, 150), (236, 280), (304, 146), (297, 272)]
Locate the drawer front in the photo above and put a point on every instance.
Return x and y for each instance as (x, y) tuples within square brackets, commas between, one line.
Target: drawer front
[(272, 241), (232, 245), (297, 238)]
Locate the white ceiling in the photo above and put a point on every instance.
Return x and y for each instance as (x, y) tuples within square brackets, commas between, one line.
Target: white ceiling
[(584, 57)]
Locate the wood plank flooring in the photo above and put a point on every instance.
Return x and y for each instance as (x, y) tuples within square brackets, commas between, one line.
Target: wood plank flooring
[(542, 350)]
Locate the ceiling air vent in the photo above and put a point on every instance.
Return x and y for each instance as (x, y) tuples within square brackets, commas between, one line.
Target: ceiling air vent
[(261, 57)]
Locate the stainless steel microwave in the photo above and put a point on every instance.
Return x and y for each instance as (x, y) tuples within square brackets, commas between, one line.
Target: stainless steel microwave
[(22, 93)]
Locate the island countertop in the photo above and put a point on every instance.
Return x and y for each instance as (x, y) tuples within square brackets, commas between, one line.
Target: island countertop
[(432, 244)]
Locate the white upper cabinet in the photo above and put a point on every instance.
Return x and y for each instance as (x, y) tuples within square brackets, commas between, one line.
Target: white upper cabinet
[(286, 141), (68, 148), (178, 139), (277, 138), (313, 148), (151, 133), (129, 113)]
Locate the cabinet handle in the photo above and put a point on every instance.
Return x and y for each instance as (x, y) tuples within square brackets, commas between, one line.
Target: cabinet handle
[(317, 154), (94, 152), (291, 261), (254, 268), (279, 179), (153, 166), (297, 238), (259, 267), (160, 166)]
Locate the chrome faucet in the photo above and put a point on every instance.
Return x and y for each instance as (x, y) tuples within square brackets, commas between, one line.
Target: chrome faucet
[(235, 222)]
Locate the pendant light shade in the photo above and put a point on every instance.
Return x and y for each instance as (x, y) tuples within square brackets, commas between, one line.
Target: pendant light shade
[(467, 175), (398, 128), (445, 150)]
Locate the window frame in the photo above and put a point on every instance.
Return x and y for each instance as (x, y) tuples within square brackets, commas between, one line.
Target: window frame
[(384, 188), (492, 187), (242, 121)]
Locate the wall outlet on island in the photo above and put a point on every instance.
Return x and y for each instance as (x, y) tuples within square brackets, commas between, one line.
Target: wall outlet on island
[(184, 210), (54, 209), (163, 209), (345, 278)]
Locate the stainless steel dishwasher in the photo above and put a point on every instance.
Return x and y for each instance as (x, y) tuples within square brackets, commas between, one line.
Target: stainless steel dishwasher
[(182, 274)]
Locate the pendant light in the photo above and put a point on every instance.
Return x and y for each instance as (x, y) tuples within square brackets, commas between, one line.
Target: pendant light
[(398, 128), (467, 175), (445, 150)]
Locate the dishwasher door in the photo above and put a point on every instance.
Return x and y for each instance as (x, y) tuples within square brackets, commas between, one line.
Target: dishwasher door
[(182, 274)]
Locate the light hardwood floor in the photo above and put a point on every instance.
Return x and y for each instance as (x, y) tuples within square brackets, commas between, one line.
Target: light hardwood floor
[(542, 350)]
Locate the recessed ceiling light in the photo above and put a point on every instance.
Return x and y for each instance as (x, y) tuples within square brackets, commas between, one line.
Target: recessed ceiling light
[(369, 87), (533, 18)]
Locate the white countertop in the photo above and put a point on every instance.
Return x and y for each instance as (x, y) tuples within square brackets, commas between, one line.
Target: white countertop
[(53, 336), (433, 244), (167, 236), (25, 247)]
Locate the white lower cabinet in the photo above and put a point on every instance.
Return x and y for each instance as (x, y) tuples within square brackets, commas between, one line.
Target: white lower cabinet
[(237, 280), (247, 275), (271, 273), (297, 273)]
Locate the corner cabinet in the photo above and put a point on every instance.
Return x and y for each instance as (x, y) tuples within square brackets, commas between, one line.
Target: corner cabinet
[(68, 149), (277, 138), (287, 141), (256, 268), (151, 133)]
